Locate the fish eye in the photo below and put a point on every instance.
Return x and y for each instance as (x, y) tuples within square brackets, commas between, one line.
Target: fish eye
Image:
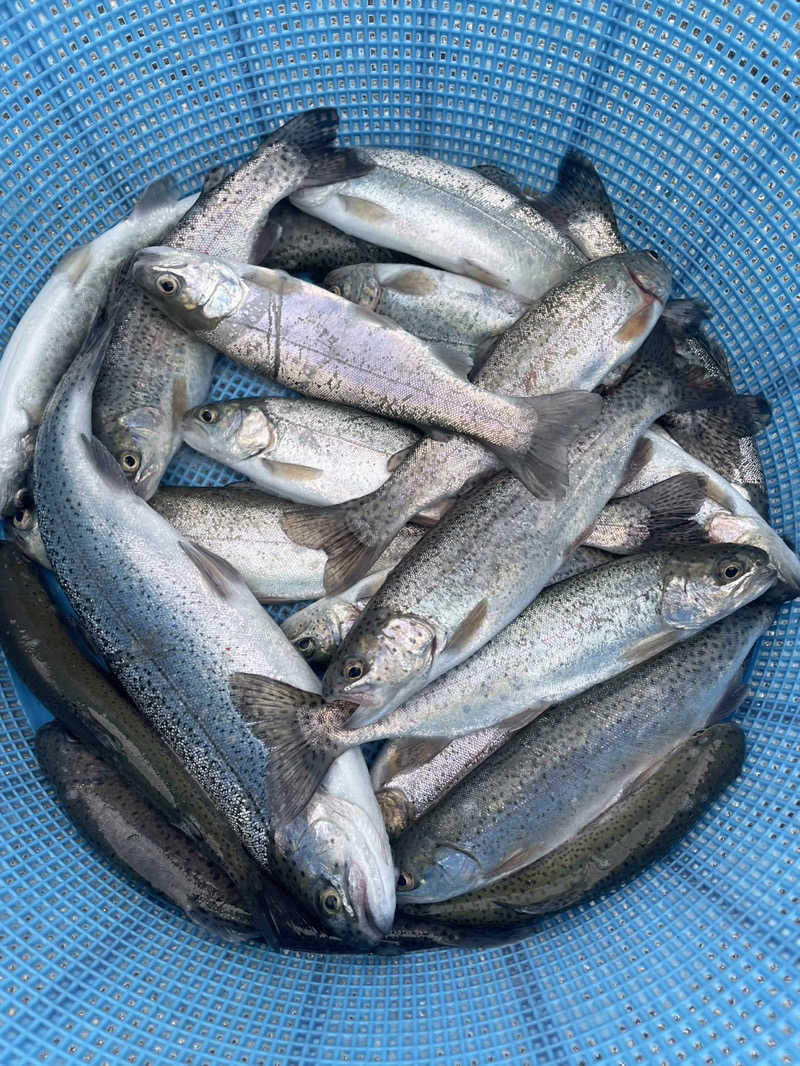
[(167, 285), (730, 570), (405, 882), (653, 254), (330, 901), (131, 461), (354, 669), (21, 518), (305, 645), (209, 415)]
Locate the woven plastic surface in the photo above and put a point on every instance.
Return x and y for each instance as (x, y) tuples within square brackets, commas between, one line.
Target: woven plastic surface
[(690, 110)]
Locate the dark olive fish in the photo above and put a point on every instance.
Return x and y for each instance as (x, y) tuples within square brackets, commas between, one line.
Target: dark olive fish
[(642, 825)]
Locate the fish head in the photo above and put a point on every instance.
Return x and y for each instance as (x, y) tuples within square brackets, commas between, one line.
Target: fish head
[(358, 284), (340, 863), (195, 290), (233, 430), (23, 528), (703, 584), (381, 660), (638, 293), (142, 443), (317, 635), (445, 871), (650, 274)]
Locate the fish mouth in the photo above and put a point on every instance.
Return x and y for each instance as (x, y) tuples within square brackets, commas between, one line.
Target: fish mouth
[(649, 295)]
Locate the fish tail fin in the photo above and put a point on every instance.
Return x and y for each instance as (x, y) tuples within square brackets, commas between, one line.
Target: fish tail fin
[(315, 128), (748, 414), (351, 550), (329, 165), (302, 733), (546, 426), (667, 512), (578, 186)]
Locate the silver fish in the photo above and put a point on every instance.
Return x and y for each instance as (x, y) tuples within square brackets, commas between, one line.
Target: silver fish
[(327, 348), (572, 338), (492, 554), (636, 829), (173, 621), (127, 828), (570, 765), (318, 629), (434, 305), (306, 450), (54, 325), (154, 372), (243, 525), (453, 218), (575, 635), (726, 516)]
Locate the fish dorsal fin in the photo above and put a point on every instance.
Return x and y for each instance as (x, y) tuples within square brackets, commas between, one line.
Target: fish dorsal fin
[(291, 471), (465, 632), (222, 578)]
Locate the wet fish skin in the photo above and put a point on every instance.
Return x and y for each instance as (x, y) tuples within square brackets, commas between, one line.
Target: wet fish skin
[(327, 348), (434, 305), (578, 332), (576, 634), (560, 773), (639, 828), (173, 630), (450, 217), (309, 451), (53, 326), (307, 245), (38, 646), (491, 555), (243, 525), (139, 839), (153, 371), (726, 516)]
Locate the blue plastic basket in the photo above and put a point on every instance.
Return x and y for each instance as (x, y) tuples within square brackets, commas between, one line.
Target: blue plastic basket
[(690, 111)]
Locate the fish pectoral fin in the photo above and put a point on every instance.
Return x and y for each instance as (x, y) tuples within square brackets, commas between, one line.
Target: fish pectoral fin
[(640, 456), (649, 647), (180, 399), (474, 270), (465, 633), (456, 361), (222, 578), (291, 471), (399, 457), (735, 695), (141, 418), (105, 464), (516, 860), (366, 210), (523, 718), (75, 263), (415, 281)]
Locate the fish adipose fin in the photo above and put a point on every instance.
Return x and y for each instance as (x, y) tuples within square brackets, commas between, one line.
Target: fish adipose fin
[(291, 723), (349, 558), (549, 424)]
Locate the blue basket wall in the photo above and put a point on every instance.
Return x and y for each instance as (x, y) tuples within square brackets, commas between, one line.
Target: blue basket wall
[(690, 111)]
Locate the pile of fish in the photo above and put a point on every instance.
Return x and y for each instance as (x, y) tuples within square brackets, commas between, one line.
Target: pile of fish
[(513, 485)]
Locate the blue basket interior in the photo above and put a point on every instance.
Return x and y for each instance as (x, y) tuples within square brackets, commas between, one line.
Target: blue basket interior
[(691, 114)]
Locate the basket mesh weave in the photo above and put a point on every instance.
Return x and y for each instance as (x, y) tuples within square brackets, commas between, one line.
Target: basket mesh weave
[(690, 111)]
